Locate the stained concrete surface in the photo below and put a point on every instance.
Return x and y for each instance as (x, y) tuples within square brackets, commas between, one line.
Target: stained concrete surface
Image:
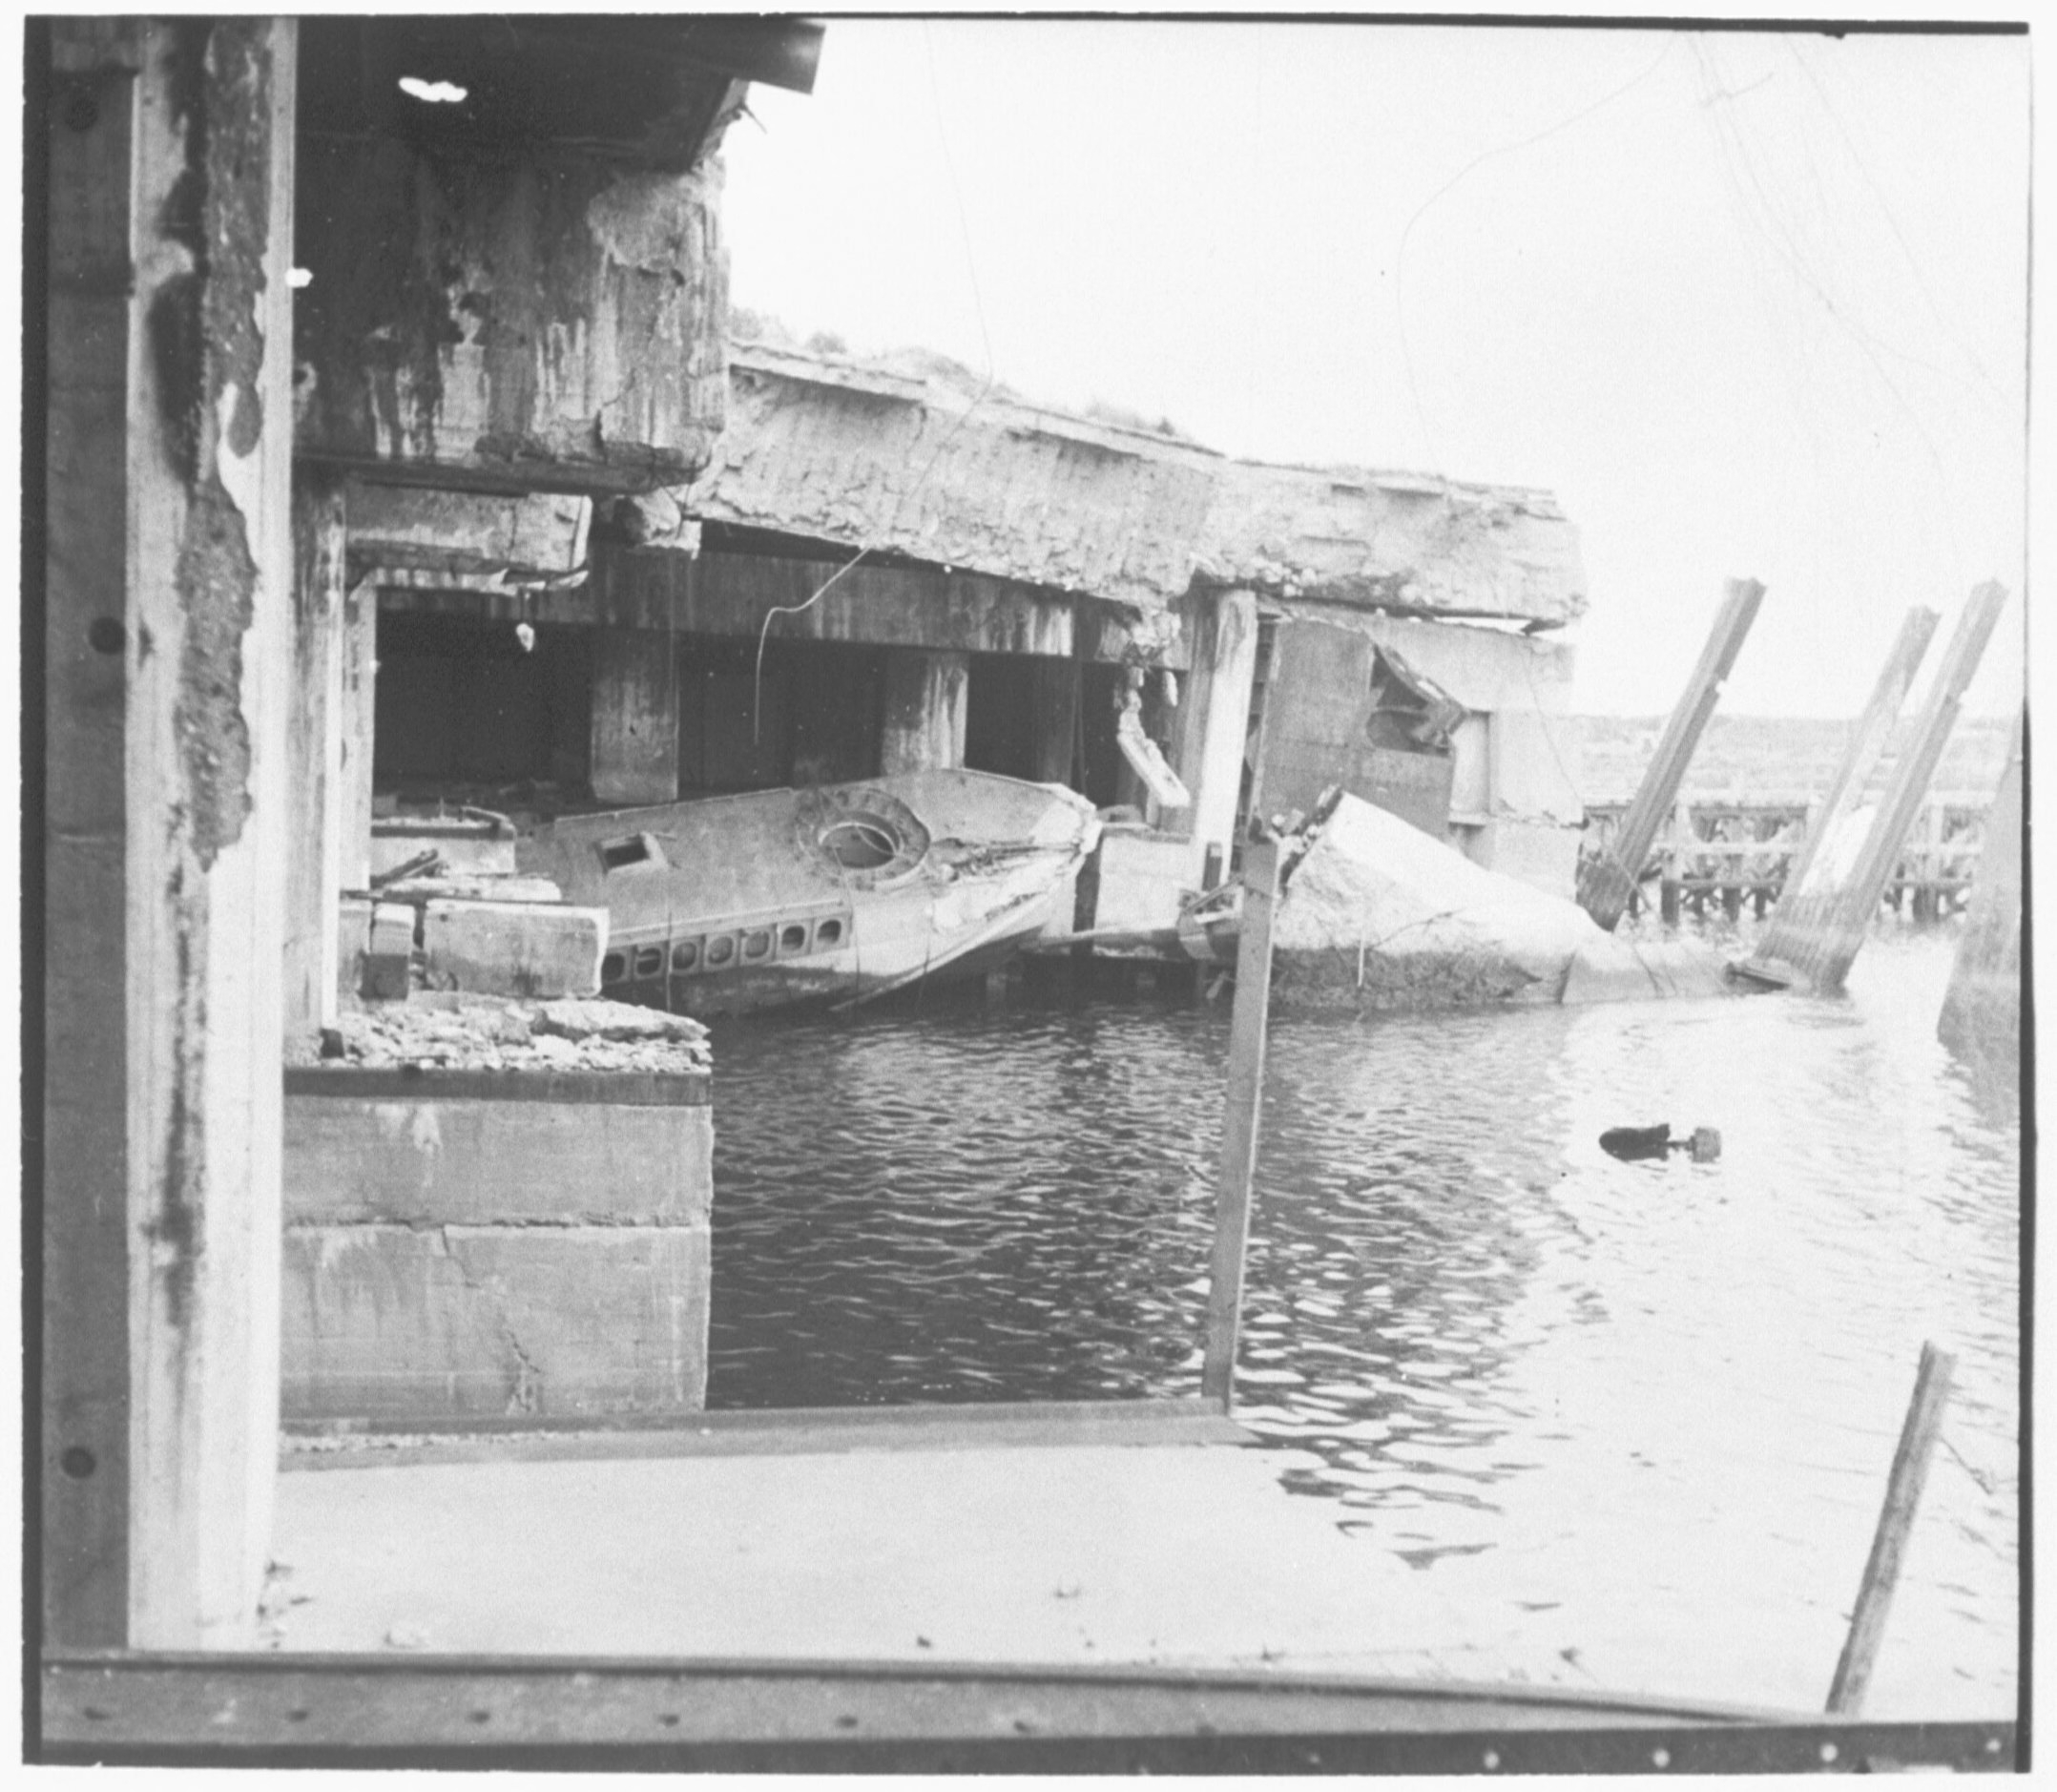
[(1084, 1554)]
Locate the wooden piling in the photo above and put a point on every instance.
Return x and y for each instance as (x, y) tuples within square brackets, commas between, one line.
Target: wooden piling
[(1896, 1522), (1825, 939), (1801, 911), (1606, 879), (1984, 1006), (1239, 1125)]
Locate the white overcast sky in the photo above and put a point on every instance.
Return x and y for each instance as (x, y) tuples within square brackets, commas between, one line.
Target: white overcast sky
[(1748, 304)]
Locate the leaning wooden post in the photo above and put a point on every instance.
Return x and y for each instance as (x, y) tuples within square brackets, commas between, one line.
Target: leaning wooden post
[(1606, 879), (1239, 1126), (1828, 955), (1896, 1521), (1800, 910)]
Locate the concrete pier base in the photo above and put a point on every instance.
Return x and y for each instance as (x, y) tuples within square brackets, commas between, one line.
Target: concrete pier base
[(463, 1246)]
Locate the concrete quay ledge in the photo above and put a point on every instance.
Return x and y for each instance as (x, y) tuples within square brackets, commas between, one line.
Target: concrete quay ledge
[(465, 1243)]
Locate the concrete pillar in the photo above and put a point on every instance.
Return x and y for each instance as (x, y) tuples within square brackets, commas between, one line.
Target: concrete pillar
[(1056, 683), (634, 717), (170, 607), (358, 671), (1218, 691), (314, 743), (924, 711)]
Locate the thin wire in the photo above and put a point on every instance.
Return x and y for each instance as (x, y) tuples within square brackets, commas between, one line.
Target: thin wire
[(1795, 260), (1892, 220), (1400, 259), (978, 300)]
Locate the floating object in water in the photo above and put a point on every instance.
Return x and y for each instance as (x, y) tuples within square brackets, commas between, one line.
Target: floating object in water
[(1638, 1144), (840, 893)]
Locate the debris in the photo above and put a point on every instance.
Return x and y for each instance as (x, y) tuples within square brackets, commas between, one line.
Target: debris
[(487, 1033), (1638, 1144), (423, 864)]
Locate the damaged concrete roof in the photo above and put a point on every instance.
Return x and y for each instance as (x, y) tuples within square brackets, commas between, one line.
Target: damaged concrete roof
[(919, 457)]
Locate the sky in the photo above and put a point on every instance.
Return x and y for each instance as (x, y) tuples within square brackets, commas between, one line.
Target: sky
[(1748, 304)]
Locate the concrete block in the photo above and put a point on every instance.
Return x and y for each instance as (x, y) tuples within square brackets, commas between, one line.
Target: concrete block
[(1543, 857), (435, 1325), (513, 949), (1144, 877), (470, 1244), (388, 953), (362, 1159), (1615, 971)]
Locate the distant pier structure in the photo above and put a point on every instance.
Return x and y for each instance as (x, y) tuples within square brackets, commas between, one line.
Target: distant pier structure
[(1735, 832)]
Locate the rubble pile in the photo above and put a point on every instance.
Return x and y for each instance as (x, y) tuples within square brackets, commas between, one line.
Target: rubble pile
[(487, 1033)]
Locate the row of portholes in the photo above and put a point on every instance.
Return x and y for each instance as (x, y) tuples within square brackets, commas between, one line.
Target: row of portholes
[(714, 953)]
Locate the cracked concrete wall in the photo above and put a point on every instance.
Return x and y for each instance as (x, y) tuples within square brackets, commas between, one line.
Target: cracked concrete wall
[(451, 1260)]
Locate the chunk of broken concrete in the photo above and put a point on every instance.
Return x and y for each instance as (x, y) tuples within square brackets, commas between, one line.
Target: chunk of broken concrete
[(573, 1019), (513, 949)]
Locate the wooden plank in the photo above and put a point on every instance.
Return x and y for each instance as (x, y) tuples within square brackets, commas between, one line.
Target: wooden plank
[(1789, 924), (209, 578), (1240, 1123), (1896, 1524), (1606, 880), (82, 1414)]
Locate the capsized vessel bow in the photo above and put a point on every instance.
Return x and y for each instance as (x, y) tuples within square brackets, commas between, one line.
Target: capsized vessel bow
[(840, 892)]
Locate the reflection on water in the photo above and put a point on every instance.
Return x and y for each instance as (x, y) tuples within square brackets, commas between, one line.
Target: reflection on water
[(1577, 1394)]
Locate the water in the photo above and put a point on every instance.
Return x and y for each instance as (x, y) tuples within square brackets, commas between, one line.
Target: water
[(1635, 1417)]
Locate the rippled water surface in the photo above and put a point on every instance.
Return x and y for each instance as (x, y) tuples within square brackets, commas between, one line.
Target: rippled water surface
[(1599, 1407)]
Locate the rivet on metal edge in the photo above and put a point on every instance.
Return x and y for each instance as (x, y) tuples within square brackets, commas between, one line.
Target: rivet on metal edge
[(1492, 1760), (1660, 1758), (1828, 1751)]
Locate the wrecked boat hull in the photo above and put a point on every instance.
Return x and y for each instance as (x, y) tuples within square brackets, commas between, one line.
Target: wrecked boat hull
[(836, 894)]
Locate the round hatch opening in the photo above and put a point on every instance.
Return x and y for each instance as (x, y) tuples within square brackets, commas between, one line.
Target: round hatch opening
[(862, 842), (865, 837)]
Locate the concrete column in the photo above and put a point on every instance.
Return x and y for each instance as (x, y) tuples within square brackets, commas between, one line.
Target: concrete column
[(314, 743), (924, 711), (634, 717), (1056, 683), (170, 615), (359, 670), (1219, 689)]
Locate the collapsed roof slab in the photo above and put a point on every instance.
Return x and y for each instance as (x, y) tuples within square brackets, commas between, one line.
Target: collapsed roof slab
[(509, 233), (921, 459)]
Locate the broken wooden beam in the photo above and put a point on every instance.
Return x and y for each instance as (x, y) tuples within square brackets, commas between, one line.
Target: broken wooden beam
[(1606, 878)]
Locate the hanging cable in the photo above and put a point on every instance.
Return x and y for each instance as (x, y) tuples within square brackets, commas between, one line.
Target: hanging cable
[(978, 300)]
